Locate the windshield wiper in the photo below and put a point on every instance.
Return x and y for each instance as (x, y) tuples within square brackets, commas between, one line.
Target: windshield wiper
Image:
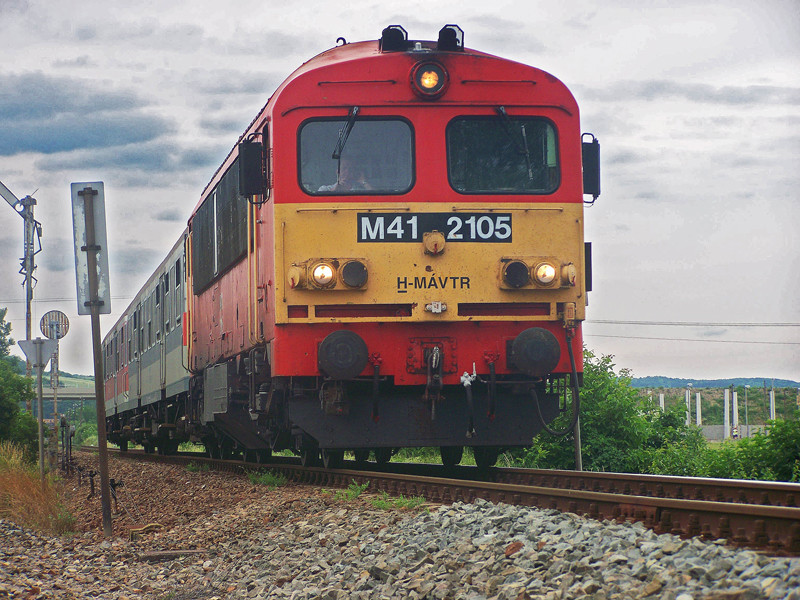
[(345, 133), (523, 149)]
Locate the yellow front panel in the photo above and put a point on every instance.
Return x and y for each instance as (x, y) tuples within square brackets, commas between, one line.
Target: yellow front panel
[(403, 273)]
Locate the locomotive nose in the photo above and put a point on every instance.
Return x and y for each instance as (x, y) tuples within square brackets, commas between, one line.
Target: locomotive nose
[(535, 352), (342, 354)]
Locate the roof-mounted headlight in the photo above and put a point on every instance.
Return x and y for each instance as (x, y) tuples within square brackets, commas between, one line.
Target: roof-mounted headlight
[(429, 79)]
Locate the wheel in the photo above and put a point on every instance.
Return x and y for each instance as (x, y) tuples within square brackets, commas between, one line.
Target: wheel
[(485, 456), (309, 456), (123, 446), (148, 447), (168, 447), (451, 455), (383, 455), (263, 455), (361, 456), (332, 459), (226, 451)]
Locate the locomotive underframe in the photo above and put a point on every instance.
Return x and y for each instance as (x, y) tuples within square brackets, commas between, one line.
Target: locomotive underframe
[(238, 410)]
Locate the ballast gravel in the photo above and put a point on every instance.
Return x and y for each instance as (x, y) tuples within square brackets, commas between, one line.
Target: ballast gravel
[(224, 538), (339, 550)]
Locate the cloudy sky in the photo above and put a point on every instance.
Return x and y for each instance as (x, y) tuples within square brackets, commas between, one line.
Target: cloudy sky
[(696, 104)]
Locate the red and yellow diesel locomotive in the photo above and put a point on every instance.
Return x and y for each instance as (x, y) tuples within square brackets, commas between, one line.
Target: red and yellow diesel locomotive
[(391, 256)]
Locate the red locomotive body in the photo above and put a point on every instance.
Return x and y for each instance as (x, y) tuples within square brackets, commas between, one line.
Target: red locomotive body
[(392, 256)]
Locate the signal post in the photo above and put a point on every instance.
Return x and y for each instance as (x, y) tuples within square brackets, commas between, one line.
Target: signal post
[(94, 297), (54, 325)]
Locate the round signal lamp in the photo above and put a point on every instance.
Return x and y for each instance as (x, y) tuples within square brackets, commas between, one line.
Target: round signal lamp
[(354, 274), (544, 273), (322, 274), (429, 80), (516, 274)]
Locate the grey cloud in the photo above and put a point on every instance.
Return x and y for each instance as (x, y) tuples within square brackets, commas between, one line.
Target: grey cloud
[(7, 6), (170, 215), (625, 157), (516, 35), (186, 38), (696, 92), (581, 21), (46, 114), (85, 32), (70, 132), (231, 82), (135, 261), (40, 96), (78, 61), (221, 125), (151, 33), (150, 157), (58, 255)]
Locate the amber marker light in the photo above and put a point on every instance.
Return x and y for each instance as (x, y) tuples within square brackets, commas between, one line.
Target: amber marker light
[(429, 79)]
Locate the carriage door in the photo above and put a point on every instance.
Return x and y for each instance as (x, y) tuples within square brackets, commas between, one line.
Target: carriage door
[(160, 333), (135, 370)]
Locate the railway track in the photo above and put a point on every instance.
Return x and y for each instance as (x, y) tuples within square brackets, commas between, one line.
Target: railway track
[(758, 515)]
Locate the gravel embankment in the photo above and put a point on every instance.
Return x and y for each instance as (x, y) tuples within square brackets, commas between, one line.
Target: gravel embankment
[(299, 542)]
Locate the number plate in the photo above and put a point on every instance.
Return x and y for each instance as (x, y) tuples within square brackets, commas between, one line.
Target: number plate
[(457, 227)]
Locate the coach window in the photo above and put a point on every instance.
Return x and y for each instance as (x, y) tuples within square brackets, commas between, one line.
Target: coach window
[(502, 155), (345, 157)]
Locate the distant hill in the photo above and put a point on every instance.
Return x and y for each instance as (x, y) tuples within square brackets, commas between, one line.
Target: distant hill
[(674, 382)]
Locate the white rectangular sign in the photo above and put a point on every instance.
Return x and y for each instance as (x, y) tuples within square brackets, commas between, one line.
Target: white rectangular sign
[(79, 191)]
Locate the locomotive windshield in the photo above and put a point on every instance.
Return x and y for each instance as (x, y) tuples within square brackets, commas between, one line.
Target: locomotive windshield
[(502, 155), (376, 156)]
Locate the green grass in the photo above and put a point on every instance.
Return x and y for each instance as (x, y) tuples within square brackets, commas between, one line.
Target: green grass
[(353, 491), (268, 478), (194, 467), (386, 502)]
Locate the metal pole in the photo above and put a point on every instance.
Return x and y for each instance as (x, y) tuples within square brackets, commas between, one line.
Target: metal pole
[(54, 331), (91, 256), (578, 454), (40, 406), (27, 214), (746, 421)]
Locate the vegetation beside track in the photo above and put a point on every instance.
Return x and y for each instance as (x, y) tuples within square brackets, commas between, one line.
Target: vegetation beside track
[(621, 431), (25, 499)]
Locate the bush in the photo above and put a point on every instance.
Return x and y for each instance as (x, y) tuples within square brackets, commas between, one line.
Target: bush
[(85, 434), (782, 452), (774, 456), (619, 429), (24, 432)]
